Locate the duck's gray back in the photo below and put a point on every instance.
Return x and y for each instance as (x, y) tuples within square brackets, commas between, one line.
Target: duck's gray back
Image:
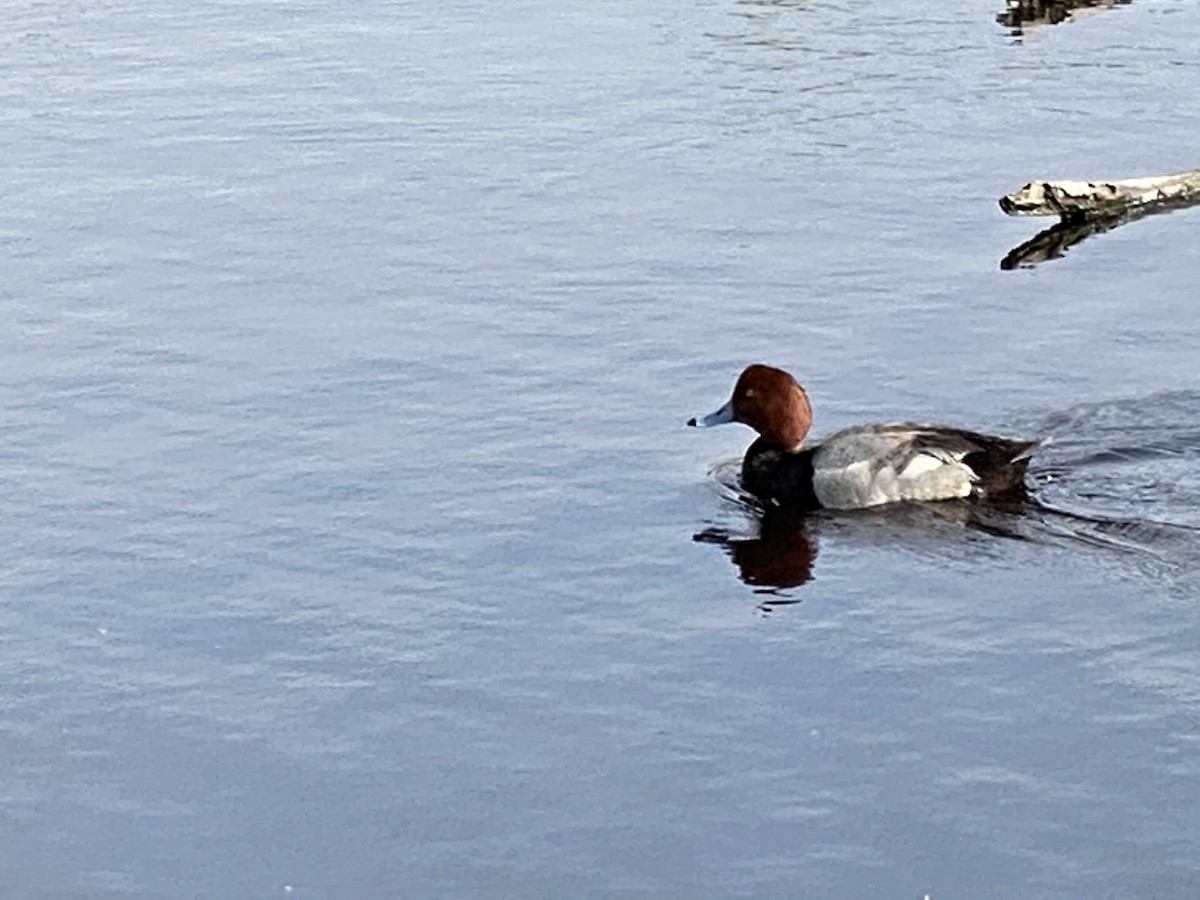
[(868, 465)]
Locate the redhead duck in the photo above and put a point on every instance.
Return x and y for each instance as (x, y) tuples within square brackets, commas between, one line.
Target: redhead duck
[(864, 465)]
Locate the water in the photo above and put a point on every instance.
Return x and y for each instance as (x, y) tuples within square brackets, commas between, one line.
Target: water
[(349, 517)]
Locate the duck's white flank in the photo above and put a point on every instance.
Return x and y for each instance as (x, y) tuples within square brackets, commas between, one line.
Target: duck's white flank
[(869, 465)]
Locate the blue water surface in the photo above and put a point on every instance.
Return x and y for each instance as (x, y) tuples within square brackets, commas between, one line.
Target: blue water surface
[(347, 515)]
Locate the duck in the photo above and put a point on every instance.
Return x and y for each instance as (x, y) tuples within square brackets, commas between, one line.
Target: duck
[(864, 465)]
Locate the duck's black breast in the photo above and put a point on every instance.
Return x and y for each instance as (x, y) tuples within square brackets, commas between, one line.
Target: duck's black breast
[(779, 476)]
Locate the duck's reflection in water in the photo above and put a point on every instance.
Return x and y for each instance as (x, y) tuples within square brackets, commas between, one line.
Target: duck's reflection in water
[(780, 555)]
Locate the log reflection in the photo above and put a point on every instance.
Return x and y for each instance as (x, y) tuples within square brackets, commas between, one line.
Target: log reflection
[(1054, 242)]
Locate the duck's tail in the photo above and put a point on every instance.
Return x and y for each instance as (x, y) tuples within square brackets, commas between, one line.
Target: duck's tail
[(999, 465)]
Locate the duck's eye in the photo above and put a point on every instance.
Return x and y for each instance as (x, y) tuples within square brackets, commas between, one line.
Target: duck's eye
[(751, 393)]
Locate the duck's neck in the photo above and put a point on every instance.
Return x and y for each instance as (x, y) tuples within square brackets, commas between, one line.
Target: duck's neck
[(763, 444), (773, 473)]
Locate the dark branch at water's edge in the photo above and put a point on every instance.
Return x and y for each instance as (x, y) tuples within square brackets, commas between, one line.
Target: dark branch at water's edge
[(1022, 14)]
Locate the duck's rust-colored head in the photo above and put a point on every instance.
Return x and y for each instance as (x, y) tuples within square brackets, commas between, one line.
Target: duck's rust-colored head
[(771, 402)]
